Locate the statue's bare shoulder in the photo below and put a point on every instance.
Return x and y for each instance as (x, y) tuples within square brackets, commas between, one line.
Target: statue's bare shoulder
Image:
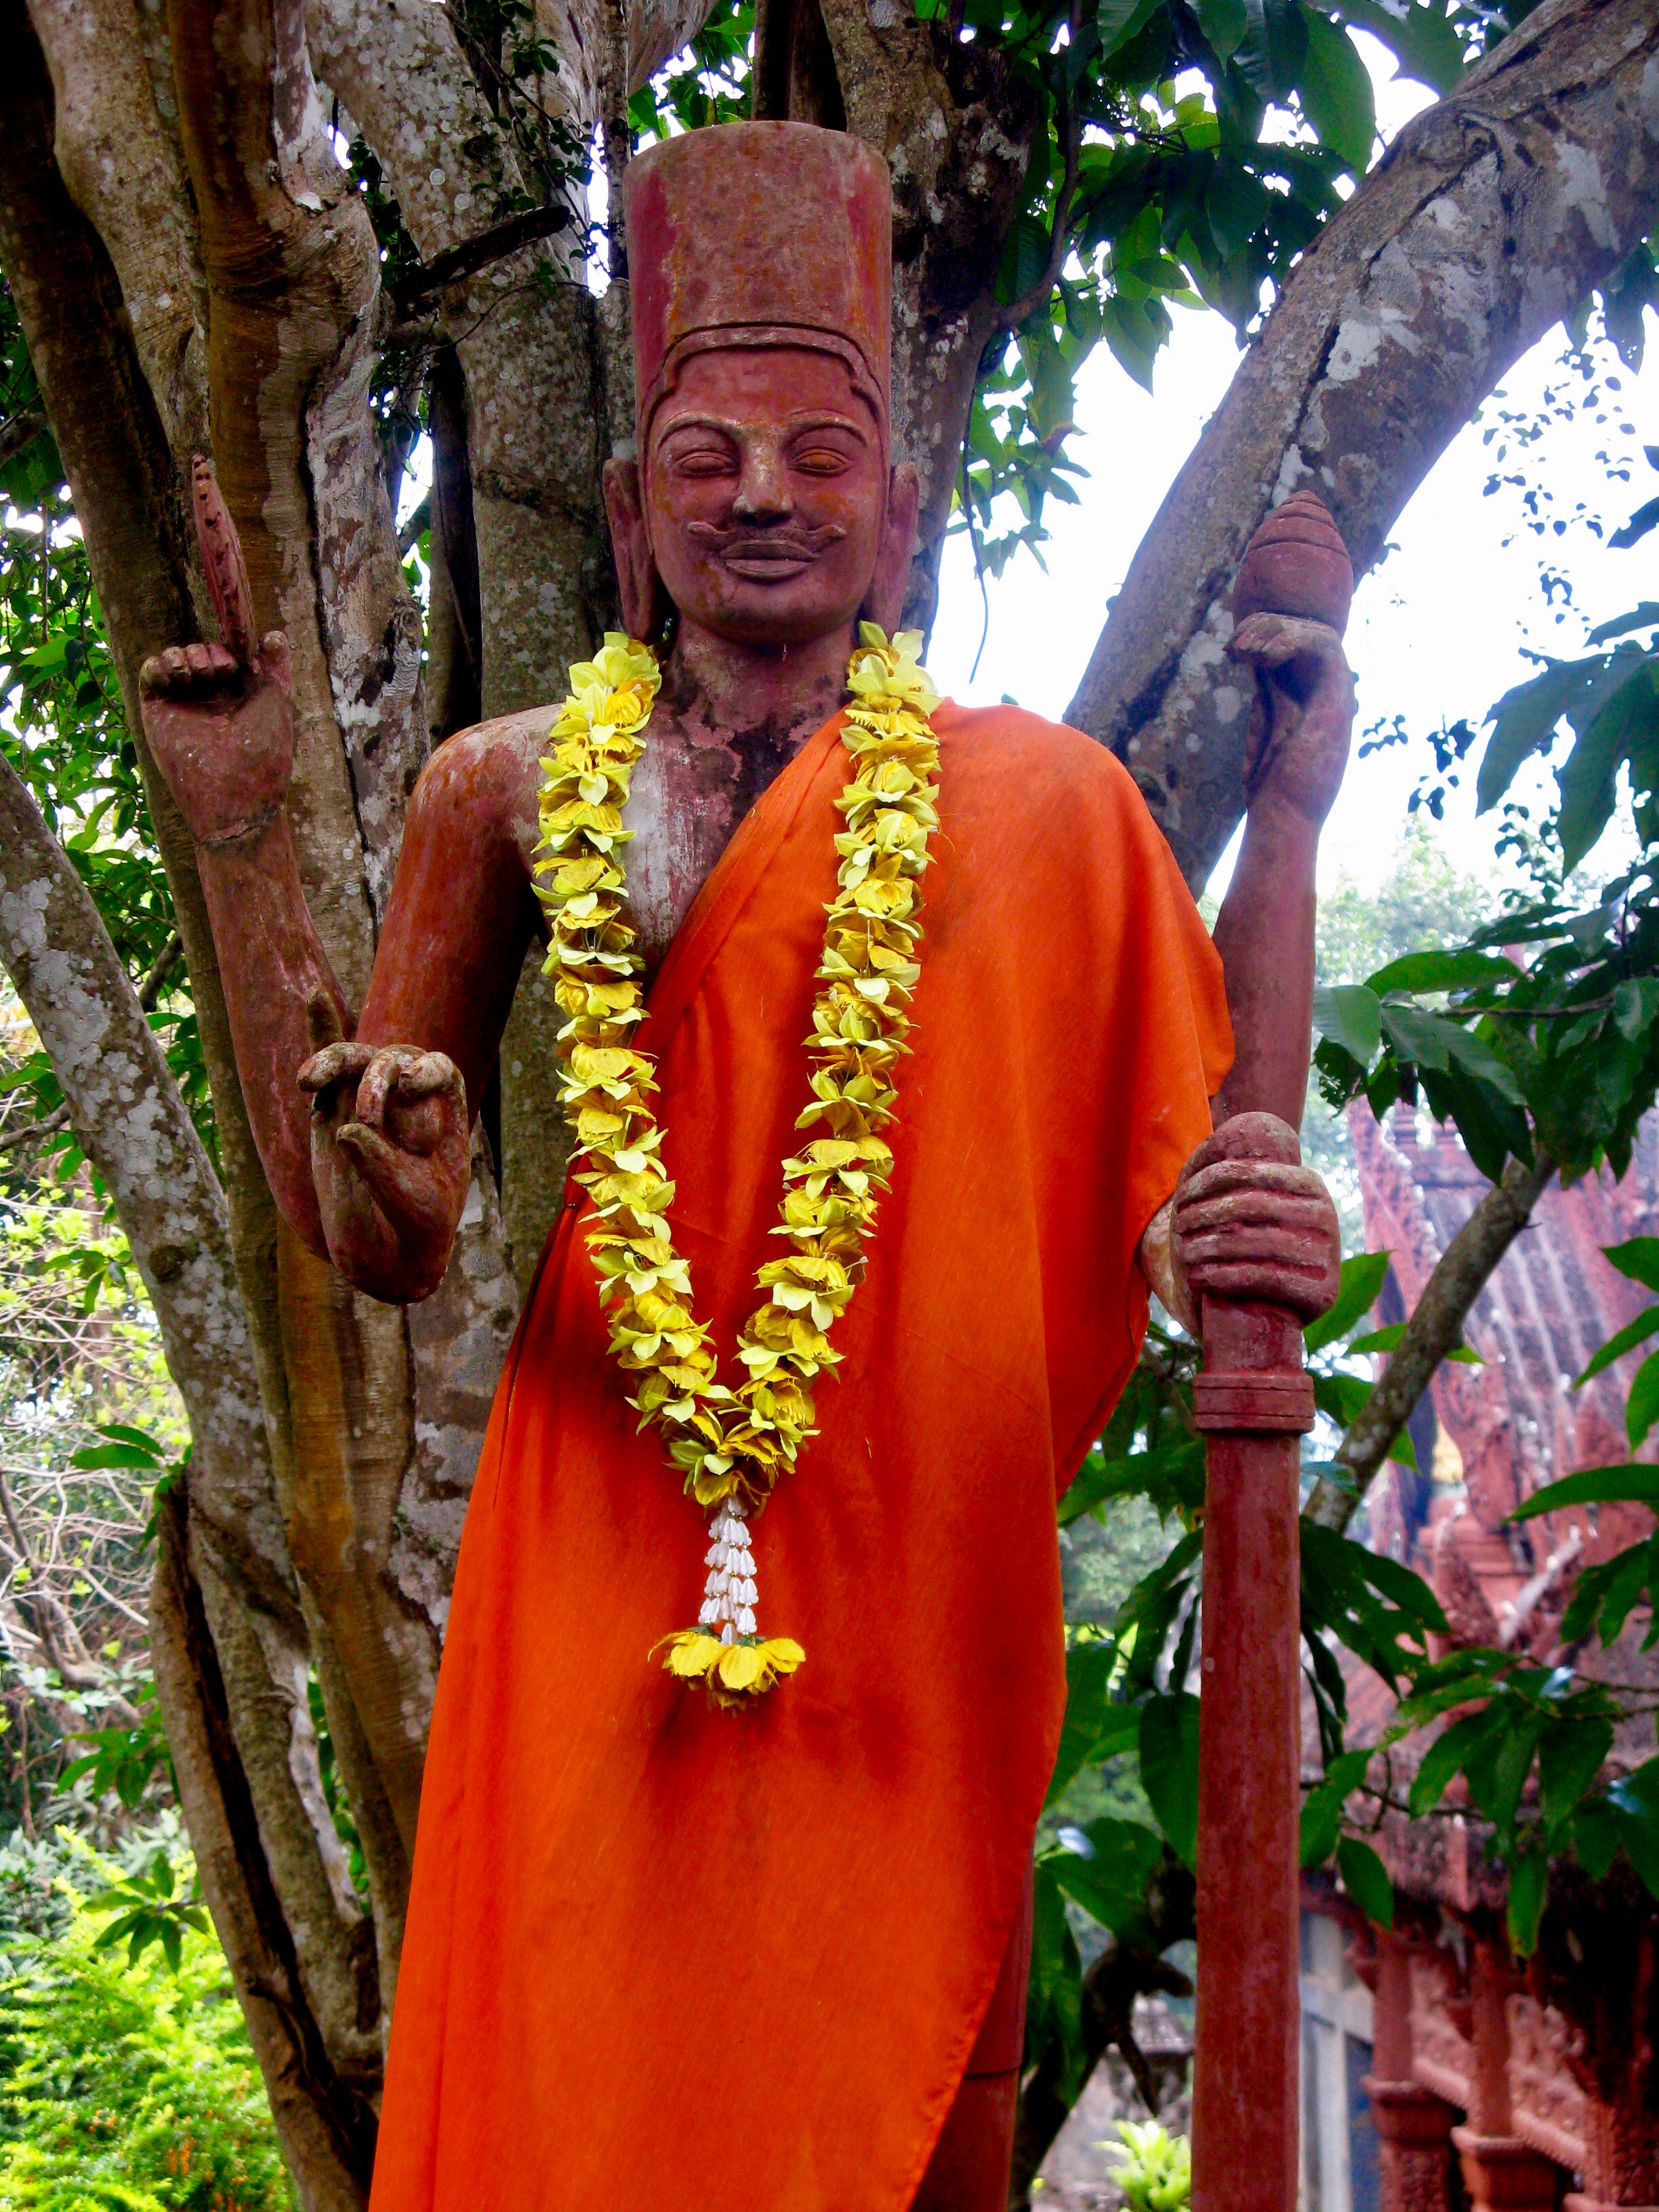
[(488, 778)]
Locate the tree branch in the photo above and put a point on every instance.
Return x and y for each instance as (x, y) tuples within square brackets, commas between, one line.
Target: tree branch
[(1071, 136), (165, 962), (476, 253), (20, 430), (1434, 1330)]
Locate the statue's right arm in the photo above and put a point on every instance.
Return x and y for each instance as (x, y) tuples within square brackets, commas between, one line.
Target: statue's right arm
[(220, 726), (363, 1125)]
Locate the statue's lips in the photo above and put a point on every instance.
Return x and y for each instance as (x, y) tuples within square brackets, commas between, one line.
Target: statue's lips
[(765, 556)]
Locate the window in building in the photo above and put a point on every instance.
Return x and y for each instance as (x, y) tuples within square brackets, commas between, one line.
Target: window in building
[(1338, 2145)]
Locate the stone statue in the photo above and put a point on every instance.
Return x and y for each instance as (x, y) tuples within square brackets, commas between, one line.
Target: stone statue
[(656, 1956)]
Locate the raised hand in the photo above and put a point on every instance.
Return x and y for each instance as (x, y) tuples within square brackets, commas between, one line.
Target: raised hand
[(1290, 603), (217, 716), (1255, 1231), (390, 1157), (1303, 714)]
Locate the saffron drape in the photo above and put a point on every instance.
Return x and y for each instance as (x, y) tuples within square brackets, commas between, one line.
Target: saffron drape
[(659, 1957)]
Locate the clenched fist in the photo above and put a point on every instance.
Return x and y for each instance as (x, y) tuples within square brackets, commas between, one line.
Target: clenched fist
[(1255, 1230), (390, 1155)]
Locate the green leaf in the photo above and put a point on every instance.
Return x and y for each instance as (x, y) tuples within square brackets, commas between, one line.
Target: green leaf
[(1524, 717), (1378, 1340), (1595, 1836), (1223, 24), (1054, 2008), (1638, 1259), (1646, 518), (1171, 1476), (1529, 1885), (1632, 1333), (1421, 39), (1271, 54), (1366, 1879), (1351, 1016), (1636, 1007), (1093, 1726), (1334, 87), (1342, 1397), (1441, 971), (1588, 777), (97, 1456), (1603, 1596), (1639, 1831), (1321, 1808), (1109, 1882), (1168, 1768), (141, 1439), (1570, 1756), (1417, 1035), (1629, 1484), (1236, 202), (1360, 1285), (1642, 617), (1445, 1756), (1120, 21), (1642, 1406)]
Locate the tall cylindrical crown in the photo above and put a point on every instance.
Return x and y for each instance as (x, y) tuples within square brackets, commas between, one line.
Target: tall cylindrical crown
[(757, 235)]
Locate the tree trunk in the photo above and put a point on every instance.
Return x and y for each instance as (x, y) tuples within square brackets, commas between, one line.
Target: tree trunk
[(1489, 219), (289, 1868)]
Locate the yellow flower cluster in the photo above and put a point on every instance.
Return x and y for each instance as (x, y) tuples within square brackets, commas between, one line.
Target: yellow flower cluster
[(730, 1672), (735, 1443)]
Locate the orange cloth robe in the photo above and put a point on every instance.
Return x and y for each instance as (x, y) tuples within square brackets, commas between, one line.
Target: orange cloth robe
[(660, 1958)]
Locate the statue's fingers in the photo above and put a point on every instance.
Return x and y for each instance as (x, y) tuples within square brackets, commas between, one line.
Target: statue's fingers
[(1305, 1291), (1270, 640), (382, 1077), (332, 1064), (274, 662), (1296, 1245), (1219, 1177), (383, 1167), (221, 560), (427, 1073), (1246, 1226)]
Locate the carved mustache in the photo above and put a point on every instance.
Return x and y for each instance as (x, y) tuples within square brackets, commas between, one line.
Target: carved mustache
[(783, 542)]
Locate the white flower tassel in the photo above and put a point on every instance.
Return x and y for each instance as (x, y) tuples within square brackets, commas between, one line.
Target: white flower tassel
[(729, 1595)]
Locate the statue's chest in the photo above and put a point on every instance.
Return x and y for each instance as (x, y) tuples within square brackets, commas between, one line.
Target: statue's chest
[(689, 794)]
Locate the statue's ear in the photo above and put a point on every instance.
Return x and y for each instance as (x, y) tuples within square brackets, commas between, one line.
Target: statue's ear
[(884, 602), (643, 599)]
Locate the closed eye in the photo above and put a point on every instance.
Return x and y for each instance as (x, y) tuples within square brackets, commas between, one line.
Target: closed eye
[(704, 461)]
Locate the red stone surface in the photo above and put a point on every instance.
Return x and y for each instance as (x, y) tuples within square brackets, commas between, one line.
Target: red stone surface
[(1296, 564)]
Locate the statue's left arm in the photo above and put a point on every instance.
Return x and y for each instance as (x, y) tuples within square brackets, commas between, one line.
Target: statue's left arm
[(1298, 748)]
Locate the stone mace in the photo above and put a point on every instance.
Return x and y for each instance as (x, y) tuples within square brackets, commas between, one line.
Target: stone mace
[(1253, 1401)]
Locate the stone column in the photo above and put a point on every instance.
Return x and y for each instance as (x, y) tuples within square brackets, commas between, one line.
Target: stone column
[(1413, 2126), (1501, 2173)]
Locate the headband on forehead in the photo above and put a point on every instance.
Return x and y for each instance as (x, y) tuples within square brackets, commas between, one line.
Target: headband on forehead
[(756, 234)]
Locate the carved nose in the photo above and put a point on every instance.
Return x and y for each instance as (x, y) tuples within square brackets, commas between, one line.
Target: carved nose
[(763, 493)]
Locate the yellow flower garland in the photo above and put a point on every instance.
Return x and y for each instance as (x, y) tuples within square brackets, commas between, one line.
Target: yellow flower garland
[(731, 1446)]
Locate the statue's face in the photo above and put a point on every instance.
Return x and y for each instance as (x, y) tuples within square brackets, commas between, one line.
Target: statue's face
[(766, 495)]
